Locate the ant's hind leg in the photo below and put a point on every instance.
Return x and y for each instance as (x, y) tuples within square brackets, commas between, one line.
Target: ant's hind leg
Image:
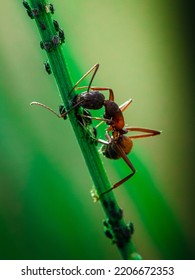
[(111, 93), (128, 162), (147, 132)]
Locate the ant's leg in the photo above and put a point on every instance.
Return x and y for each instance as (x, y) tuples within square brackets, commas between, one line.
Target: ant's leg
[(64, 113), (95, 118), (147, 132), (111, 93), (108, 137), (125, 105), (128, 162), (96, 66)]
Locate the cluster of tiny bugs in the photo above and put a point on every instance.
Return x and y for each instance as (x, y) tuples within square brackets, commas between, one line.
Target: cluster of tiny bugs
[(116, 145), (57, 39)]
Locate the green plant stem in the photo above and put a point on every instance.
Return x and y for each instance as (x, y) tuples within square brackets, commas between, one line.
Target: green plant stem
[(115, 227)]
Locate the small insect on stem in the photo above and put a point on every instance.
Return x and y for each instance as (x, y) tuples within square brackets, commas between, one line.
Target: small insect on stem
[(47, 67), (61, 35), (56, 25), (28, 9)]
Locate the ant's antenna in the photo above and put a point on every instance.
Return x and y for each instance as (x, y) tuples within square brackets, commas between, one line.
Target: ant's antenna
[(93, 76), (46, 107), (96, 66)]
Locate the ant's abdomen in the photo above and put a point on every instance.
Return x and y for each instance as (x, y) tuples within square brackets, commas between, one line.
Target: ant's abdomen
[(126, 144), (110, 151), (114, 150)]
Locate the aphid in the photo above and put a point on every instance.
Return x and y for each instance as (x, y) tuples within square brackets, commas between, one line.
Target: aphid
[(61, 35), (121, 146), (51, 8), (56, 25), (26, 5), (42, 45), (35, 12), (47, 46), (47, 67), (55, 40), (28, 9), (30, 14), (130, 225)]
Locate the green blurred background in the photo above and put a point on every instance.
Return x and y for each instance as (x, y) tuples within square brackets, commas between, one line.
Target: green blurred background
[(146, 52)]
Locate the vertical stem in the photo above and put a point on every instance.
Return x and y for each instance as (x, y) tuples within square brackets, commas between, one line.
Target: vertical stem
[(114, 225)]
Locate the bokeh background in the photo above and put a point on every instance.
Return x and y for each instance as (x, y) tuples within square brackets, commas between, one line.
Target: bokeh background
[(146, 52)]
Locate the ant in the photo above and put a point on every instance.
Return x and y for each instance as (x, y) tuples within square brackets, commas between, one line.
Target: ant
[(117, 145), (94, 99)]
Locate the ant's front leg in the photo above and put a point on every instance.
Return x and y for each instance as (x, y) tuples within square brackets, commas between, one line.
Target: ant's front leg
[(85, 118), (95, 118), (85, 121)]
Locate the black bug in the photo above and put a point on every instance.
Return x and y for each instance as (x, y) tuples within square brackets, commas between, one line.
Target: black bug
[(47, 46), (35, 12), (28, 9), (26, 5), (47, 67), (56, 25), (55, 41), (42, 45), (51, 8), (61, 35)]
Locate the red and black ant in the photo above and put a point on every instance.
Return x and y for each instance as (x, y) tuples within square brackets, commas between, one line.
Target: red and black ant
[(94, 99), (118, 145)]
